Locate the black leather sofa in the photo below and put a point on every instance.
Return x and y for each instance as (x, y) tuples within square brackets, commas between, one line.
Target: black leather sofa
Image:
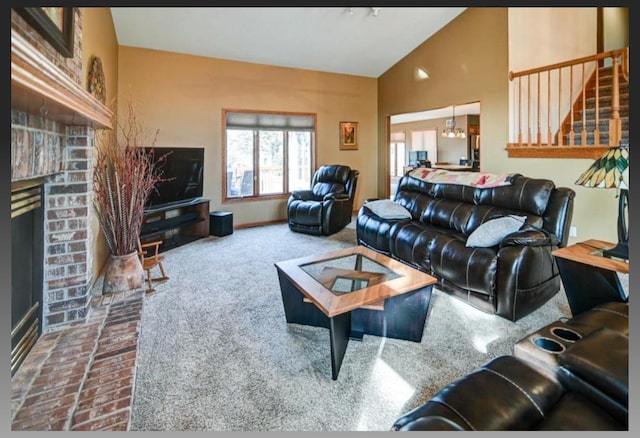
[(510, 279), (588, 391), (328, 206)]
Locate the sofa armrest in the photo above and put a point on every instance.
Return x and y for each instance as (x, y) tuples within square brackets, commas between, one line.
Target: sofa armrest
[(530, 237), (504, 394), (601, 359), (335, 196), (303, 195), (597, 368), (522, 271)]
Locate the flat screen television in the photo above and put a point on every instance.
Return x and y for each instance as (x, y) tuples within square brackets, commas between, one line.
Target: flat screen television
[(415, 157), (182, 172)]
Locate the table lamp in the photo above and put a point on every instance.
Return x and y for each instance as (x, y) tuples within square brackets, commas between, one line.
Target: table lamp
[(611, 171)]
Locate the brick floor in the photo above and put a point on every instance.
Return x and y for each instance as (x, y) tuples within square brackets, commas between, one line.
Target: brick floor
[(82, 377)]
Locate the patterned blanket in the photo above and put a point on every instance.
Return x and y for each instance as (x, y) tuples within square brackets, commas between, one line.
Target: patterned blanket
[(481, 180)]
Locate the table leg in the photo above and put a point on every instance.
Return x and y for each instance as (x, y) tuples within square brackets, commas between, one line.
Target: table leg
[(339, 328), (358, 266)]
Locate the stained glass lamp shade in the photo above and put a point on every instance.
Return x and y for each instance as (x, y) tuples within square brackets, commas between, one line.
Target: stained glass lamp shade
[(611, 171)]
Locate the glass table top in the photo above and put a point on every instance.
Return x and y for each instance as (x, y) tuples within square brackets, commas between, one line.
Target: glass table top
[(349, 273)]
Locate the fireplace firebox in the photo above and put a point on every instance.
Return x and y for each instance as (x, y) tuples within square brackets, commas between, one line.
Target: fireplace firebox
[(27, 229)]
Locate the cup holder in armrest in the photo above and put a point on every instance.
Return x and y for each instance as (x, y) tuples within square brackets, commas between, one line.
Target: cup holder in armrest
[(548, 345), (566, 334)]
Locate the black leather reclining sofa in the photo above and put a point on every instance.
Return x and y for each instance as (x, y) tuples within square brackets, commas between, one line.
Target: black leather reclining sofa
[(588, 389), (510, 279)]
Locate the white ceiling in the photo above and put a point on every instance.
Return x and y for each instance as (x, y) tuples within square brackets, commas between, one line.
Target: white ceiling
[(364, 42)]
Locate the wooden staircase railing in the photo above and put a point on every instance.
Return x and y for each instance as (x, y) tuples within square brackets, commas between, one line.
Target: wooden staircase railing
[(537, 107)]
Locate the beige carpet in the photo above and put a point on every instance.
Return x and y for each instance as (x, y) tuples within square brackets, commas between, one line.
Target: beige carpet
[(216, 353)]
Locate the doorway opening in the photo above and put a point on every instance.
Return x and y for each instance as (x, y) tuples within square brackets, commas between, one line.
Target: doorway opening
[(426, 142)]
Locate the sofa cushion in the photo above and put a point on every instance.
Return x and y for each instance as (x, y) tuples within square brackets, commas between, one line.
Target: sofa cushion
[(321, 189), (491, 232), (483, 213), (409, 241), (448, 214), (387, 209), (529, 195)]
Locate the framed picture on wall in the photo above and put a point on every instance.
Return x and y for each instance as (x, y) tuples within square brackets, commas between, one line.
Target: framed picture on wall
[(349, 135), (55, 24)]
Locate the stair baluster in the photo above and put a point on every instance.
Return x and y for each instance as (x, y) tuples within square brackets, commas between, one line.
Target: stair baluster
[(580, 134)]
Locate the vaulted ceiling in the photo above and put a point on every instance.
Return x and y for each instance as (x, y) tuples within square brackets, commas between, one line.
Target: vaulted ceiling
[(355, 41)]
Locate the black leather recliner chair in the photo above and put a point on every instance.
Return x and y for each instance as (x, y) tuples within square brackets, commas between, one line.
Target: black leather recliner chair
[(327, 207), (590, 389)]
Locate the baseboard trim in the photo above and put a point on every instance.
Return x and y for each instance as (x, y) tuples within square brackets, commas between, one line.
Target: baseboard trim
[(259, 224)]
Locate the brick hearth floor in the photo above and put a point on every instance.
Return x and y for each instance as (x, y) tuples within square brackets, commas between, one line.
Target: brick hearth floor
[(82, 377)]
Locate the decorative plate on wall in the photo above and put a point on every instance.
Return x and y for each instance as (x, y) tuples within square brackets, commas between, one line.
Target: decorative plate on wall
[(96, 80)]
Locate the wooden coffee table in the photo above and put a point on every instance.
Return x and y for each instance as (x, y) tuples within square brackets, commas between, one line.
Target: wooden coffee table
[(353, 292)]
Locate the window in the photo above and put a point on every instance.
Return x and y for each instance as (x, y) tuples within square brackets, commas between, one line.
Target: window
[(397, 154), (426, 141), (267, 154)]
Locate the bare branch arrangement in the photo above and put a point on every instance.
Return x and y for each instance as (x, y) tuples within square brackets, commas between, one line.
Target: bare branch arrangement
[(123, 177)]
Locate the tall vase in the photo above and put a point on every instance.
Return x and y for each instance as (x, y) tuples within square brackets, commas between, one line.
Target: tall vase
[(123, 273)]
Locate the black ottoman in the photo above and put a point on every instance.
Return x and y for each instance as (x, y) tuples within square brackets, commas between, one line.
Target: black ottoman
[(220, 223)]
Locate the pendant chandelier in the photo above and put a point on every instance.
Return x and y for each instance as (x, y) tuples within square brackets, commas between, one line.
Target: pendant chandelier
[(451, 131)]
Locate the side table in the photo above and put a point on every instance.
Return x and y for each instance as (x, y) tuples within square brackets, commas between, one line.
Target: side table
[(589, 278)]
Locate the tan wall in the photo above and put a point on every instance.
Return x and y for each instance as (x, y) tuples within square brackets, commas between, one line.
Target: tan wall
[(616, 28), (99, 39), (467, 62), (184, 96)]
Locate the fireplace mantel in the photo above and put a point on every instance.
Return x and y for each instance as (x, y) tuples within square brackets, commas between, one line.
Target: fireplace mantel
[(39, 87)]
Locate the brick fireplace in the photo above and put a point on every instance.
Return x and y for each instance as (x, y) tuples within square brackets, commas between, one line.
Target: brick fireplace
[(53, 123), (58, 158), (74, 361)]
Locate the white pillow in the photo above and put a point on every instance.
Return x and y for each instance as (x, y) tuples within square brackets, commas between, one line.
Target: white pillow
[(493, 231), (387, 209)]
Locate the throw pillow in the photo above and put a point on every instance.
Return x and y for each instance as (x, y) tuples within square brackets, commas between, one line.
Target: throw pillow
[(493, 231), (387, 209)]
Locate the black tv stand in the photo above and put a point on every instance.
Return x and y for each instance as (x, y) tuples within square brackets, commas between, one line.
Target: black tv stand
[(176, 224)]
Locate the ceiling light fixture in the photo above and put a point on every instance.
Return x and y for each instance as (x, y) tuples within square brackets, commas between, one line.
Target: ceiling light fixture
[(451, 131), (375, 11), (422, 73)]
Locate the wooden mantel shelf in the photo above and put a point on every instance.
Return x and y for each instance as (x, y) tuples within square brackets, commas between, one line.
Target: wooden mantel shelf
[(38, 86)]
